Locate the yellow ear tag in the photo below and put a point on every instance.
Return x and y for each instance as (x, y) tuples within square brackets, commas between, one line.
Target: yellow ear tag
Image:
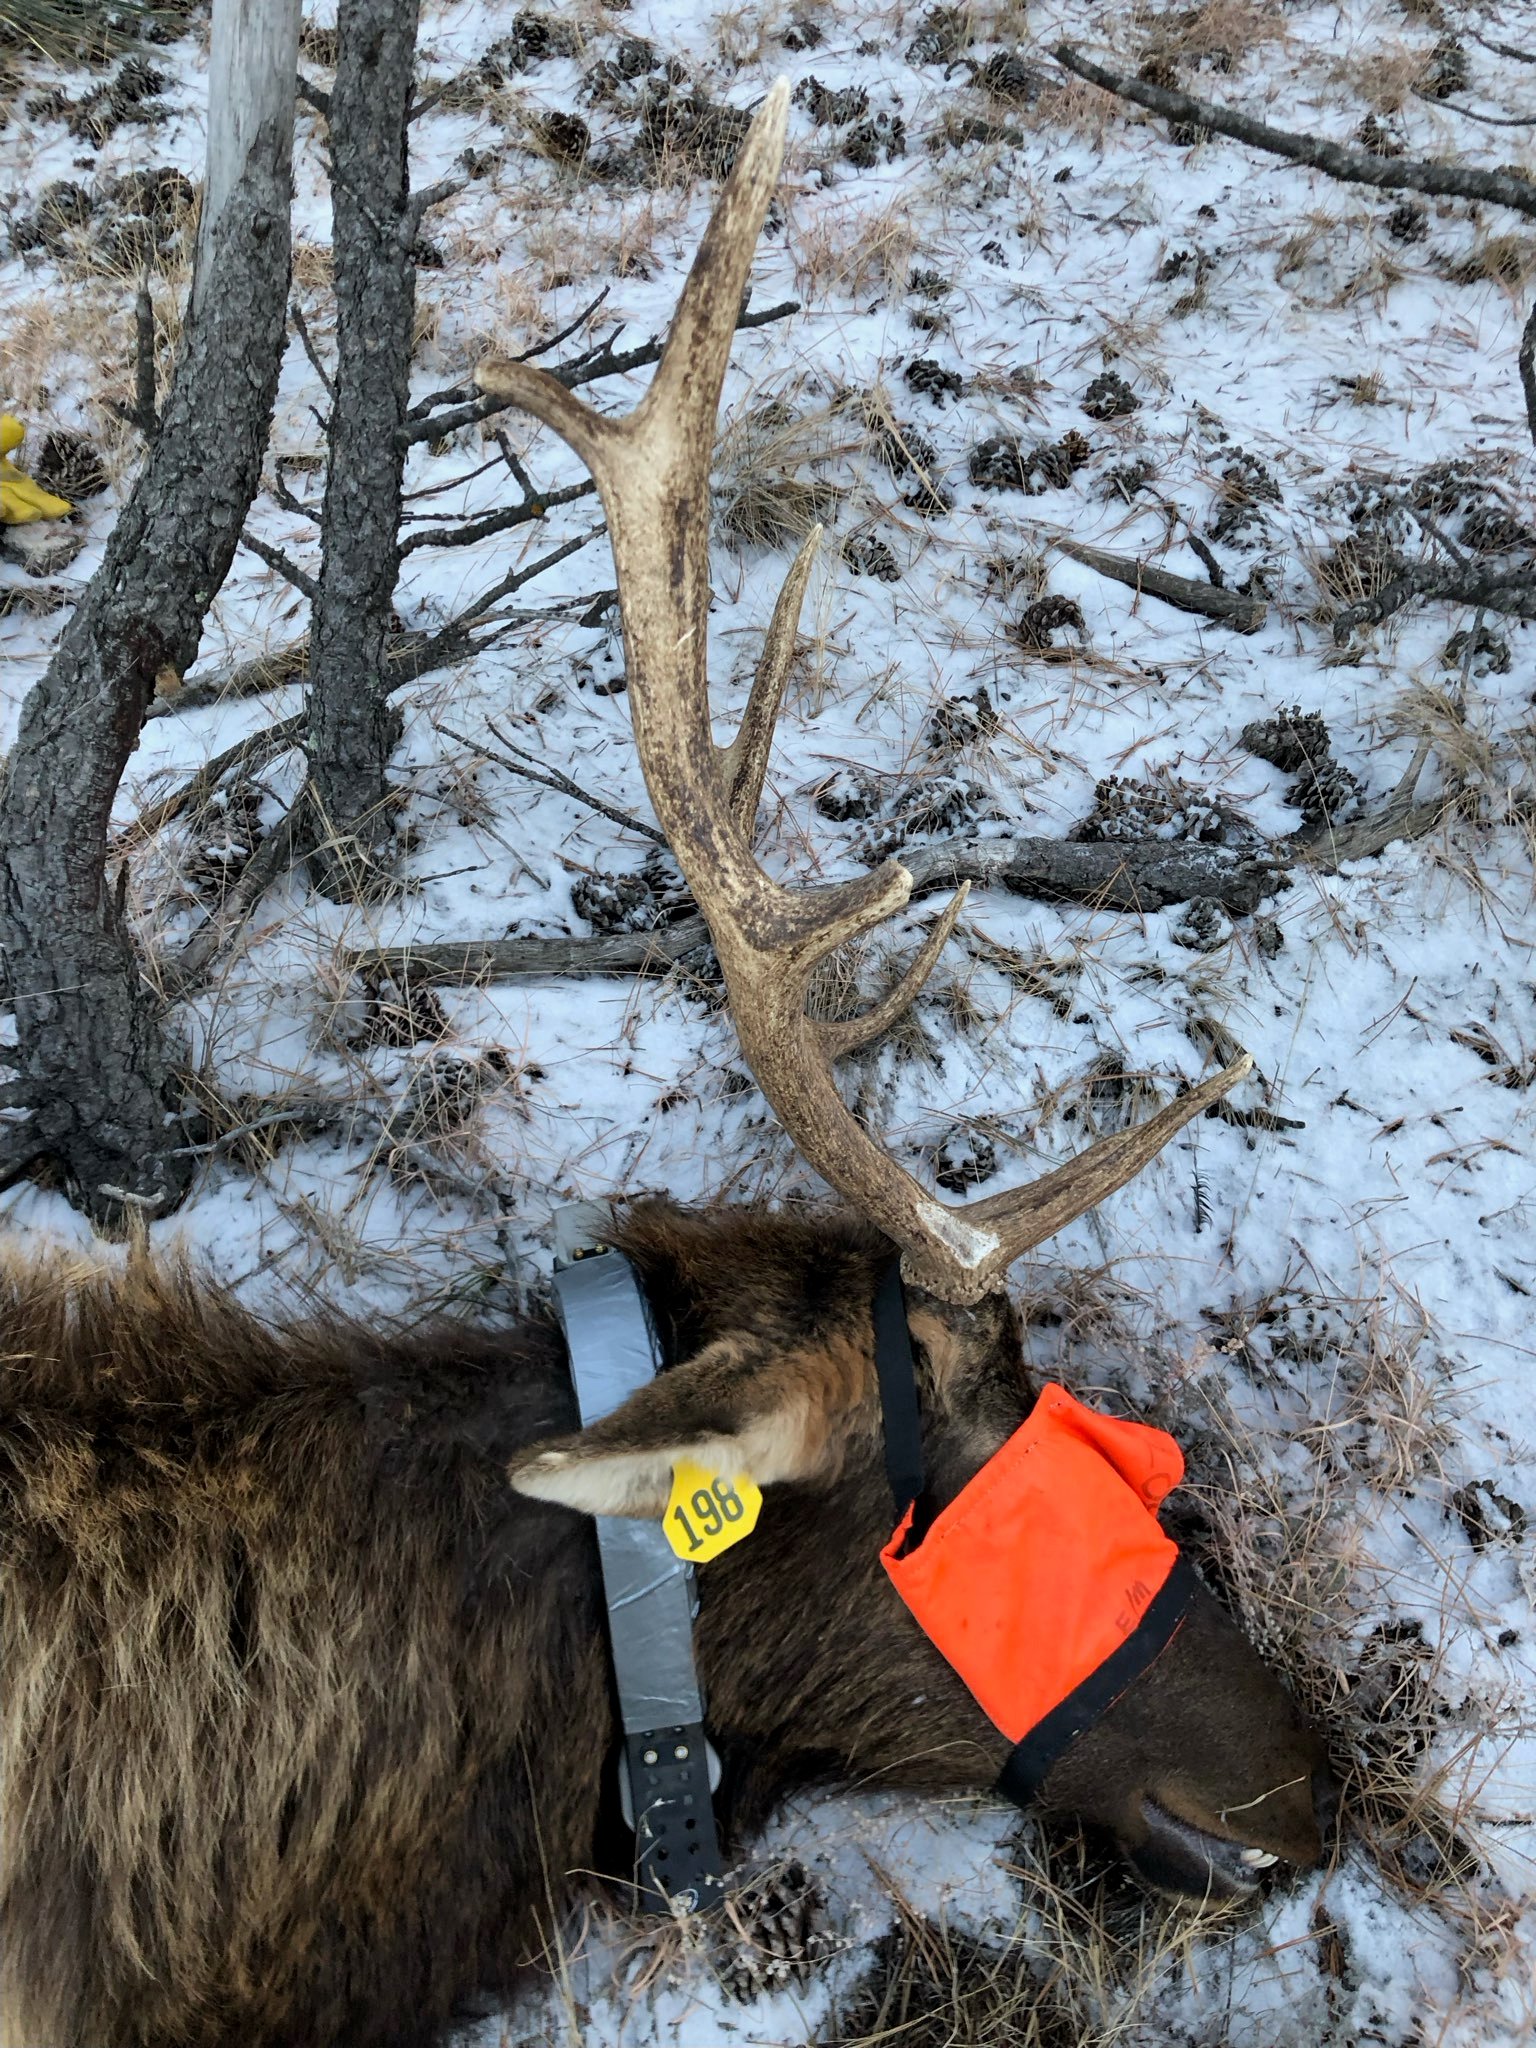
[(706, 1512)]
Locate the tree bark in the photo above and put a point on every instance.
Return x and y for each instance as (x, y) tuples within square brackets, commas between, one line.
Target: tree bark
[(95, 1067), (353, 727)]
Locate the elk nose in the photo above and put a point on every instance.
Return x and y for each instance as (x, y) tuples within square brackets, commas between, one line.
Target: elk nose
[(1325, 1803)]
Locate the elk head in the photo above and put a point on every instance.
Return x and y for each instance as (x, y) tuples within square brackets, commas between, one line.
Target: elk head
[(1203, 1769)]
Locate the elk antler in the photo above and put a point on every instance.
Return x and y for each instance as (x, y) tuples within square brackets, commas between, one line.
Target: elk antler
[(652, 471)]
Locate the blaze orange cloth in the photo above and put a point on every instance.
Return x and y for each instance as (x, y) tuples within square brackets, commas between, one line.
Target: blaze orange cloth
[(1046, 1562)]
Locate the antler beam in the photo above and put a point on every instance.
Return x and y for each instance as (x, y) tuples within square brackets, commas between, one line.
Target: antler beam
[(652, 472)]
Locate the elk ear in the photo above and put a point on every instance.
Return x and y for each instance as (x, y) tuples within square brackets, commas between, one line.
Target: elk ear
[(737, 1407)]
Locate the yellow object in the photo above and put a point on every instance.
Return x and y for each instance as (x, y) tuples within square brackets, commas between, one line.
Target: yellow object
[(20, 498), (707, 1512)]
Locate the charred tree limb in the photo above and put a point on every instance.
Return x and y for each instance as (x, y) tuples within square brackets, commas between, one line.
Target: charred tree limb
[(353, 726), (103, 1083), (1350, 166), (604, 361), (1213, 600)]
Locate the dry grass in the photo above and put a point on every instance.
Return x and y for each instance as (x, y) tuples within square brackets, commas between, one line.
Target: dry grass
[(769, 479), (1355, 1381), (746, 36), (1430, 711), (1385, 76), (854, 253), (1079, 1970), (1222, 31)]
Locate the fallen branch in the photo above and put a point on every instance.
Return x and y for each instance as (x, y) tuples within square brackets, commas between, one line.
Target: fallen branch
[(498, 959), (254, 749), (1527, 362), (1350, 166), (1327, 846), (1512, 592), (1244, 614), (1139, 875)]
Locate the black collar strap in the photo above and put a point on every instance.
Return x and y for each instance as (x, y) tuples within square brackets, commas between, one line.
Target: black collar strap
[(667, 1770), (1031, 1760), (896, 1371)]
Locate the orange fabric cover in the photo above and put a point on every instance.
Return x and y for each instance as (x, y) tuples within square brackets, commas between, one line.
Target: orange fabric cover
[(1045, 1563)]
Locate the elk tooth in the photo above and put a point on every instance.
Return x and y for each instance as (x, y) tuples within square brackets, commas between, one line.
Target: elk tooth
[(1258, 1859)]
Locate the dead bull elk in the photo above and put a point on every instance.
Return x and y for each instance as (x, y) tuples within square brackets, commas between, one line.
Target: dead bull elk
[(307, 1716)]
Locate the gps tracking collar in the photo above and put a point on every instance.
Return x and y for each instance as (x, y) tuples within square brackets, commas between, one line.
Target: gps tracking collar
[(1047, 1583)]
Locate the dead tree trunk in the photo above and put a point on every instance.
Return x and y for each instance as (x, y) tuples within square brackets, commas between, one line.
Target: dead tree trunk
[(93, 1063), (353, 725)]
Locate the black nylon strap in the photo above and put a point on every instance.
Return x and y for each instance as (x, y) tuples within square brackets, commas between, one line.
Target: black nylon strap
[(897, 1375), (677, 1848), (1031, 1760)]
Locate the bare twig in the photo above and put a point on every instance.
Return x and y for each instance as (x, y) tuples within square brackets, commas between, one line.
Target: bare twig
[(1212, 566), (408, 657), (542, 348), (427, 101), (1472, 114), (275, 559), (552, 778), (1502, 49), (603, 362), (1246, 614), (301, 328), (1350, 166), (1511, 592), (477, 611), (286, 497), (533, 506)]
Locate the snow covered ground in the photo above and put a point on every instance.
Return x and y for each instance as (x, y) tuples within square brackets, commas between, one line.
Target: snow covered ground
[(1327, 1300)]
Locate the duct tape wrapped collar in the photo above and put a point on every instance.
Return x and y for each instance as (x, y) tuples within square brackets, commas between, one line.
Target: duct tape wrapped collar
[(1048, 1583)]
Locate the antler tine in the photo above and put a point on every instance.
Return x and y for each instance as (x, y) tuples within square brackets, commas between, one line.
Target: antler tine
[(652, 471), (1027, 1216), (848, 1034), (745, 760)]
